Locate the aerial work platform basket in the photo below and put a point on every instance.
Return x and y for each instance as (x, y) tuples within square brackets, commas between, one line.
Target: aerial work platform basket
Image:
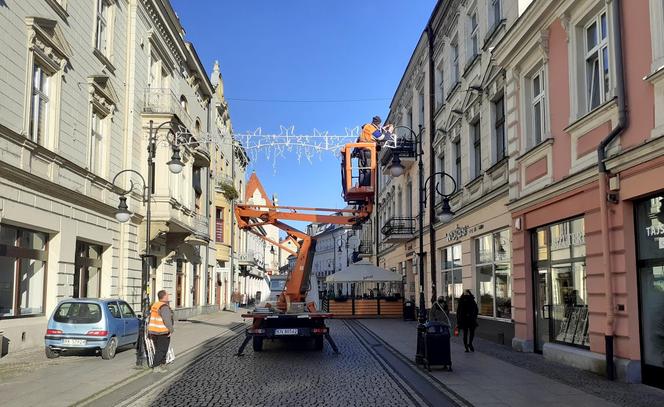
[(358, 173)]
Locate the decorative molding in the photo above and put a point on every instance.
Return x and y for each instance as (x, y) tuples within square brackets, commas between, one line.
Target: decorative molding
[(543, 45), (45, 38), (565, 21), (102, 94)]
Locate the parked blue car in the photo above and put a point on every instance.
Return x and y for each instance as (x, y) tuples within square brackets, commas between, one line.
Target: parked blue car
[(102, 325)]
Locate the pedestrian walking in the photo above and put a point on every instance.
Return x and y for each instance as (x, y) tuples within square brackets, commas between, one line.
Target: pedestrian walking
[(160, 328), (467, 318)]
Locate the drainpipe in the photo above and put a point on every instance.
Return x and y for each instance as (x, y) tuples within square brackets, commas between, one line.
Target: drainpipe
[(603, 180)]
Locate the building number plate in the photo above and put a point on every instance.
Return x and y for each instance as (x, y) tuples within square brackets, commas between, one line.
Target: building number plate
[(285, 331)]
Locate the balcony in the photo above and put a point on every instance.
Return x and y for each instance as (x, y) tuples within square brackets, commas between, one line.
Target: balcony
[(406, 150), (247, 258), (365, 249), (398, 230), (164, 101)]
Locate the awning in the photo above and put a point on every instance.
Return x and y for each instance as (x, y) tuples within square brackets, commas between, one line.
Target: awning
[(363, 271)]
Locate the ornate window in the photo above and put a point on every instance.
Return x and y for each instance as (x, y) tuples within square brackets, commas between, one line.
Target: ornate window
[(48, 56)]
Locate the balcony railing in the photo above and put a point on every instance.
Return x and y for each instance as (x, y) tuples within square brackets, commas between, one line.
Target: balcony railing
[(366, 248), (164, 101), (406, 150), (398, 229), (201, 225)]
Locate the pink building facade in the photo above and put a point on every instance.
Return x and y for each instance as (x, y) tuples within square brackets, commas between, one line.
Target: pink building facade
[(588, 225)]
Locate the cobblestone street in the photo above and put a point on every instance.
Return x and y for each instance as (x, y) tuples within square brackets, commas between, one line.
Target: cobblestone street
[(284, 373)]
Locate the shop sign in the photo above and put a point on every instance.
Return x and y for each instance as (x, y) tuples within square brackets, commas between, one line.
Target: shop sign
[(462, 231), (567, 240), (655, 230)]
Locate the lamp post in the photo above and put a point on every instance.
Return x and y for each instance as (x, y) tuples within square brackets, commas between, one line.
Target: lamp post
[(396, 170), (122, 215)]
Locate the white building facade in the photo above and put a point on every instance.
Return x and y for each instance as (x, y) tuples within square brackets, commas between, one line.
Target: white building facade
[(82, 81)]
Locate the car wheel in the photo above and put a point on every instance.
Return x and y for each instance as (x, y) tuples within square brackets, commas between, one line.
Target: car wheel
[(50, 353), (318, 343), (109, 351), (257, 343)]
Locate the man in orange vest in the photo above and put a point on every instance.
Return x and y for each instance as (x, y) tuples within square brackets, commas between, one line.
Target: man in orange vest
[(160, 328)]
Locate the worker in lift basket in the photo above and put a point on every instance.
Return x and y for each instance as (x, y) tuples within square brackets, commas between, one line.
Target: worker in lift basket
[(371, 133)]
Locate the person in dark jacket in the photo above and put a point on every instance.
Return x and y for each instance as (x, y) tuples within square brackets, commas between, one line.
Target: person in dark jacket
[(467, 319)]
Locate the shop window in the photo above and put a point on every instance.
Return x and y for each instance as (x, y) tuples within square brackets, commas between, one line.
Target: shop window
[(494, 276), (561, 302), (23, 255), (451, 275), (87, 277), (179, 284), (650, 262)]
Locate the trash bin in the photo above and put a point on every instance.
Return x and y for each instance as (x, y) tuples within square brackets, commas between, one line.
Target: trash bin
[(409, 311), (437, 345)]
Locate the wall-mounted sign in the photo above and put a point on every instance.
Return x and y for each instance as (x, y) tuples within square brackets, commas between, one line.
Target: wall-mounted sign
[(655, 230), (568, 239), (462, 231)]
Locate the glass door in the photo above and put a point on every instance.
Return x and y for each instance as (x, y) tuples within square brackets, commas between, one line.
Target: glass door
[(650, 249), (542, 309)]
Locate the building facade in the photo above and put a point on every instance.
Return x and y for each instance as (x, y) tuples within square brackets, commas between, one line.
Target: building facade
[(86, 83), (585, 183), (466, 109)]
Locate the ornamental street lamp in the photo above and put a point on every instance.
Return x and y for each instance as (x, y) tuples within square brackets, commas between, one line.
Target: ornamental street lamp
[(445, 214), (123, 215)]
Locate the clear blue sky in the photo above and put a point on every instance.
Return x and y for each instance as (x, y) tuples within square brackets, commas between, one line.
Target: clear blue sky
[(305, 50)]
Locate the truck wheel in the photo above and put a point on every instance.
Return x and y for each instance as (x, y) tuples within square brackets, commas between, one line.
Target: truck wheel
[(50, 353), (257, 343), (109, 351), (318, 343)]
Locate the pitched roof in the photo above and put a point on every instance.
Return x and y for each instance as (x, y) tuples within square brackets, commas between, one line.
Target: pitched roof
[(253, 185)]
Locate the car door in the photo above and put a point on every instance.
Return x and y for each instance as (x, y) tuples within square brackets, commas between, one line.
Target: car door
[(131, 322), (115, 323)]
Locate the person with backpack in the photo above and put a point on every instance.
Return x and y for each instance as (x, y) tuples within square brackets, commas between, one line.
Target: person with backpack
[(467, 318)]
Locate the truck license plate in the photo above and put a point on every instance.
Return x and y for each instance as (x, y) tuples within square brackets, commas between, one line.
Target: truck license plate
[(285, 331), (76, 342)]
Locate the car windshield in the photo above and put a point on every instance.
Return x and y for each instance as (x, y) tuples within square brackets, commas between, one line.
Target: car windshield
[(78, 313), (277, 285)]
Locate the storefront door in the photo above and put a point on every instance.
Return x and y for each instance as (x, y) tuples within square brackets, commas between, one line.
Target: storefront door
[(650, 241), (561, 310)]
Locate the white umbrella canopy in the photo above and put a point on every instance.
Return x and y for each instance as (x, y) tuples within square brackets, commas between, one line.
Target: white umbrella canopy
[(363, 271)]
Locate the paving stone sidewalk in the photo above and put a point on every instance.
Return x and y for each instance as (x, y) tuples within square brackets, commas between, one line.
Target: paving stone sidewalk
[(27, 378), (495, 375)]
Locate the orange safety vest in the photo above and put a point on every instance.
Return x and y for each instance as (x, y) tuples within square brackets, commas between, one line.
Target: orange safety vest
[(156, 324), (368, 133)]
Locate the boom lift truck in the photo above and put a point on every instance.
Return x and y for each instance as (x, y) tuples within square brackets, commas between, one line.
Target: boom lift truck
[(296, 312)]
